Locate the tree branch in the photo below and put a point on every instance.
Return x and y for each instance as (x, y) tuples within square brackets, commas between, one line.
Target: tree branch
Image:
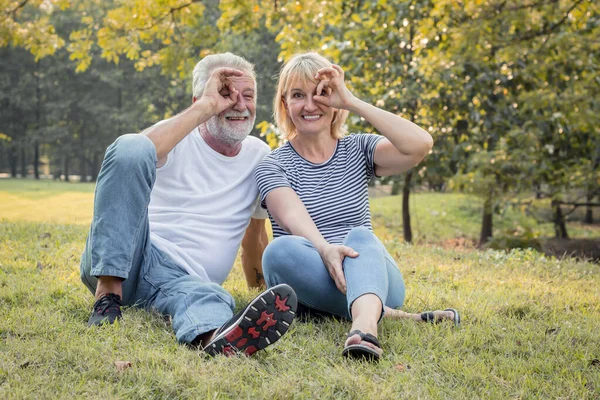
[(14, 11), (547, 30), (575, 205)]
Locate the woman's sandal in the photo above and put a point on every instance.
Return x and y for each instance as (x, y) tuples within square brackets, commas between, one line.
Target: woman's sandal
[(428, 316), (360, 351)]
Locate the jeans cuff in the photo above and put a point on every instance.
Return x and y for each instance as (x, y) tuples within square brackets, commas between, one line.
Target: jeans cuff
[(104, 271), (366, 290), (193, 332)]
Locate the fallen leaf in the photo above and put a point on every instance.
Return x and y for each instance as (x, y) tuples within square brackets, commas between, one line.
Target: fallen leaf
[(402, 367), (595, 363), (44, 235), (122, 365), (518, 343)]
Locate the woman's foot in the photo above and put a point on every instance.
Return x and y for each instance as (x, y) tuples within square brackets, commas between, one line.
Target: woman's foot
[(363, 335), (362, 346), (354, 337), (449, 314)]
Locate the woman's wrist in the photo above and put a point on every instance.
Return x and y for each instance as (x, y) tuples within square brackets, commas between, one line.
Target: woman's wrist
[(321, 245), (355, 105)]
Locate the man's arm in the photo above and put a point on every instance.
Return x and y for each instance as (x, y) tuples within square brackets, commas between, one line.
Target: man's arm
[(253, 245), (167, 134)]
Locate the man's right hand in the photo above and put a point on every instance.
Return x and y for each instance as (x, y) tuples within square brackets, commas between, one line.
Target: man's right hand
[(219, 93)]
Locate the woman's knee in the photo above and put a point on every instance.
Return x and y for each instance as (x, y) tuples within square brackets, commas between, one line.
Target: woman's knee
[(360, 233), (362, 237), (282, 258), (278, 253)]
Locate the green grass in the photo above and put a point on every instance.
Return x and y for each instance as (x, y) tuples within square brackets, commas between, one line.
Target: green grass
[(530, 329), (437, 217)]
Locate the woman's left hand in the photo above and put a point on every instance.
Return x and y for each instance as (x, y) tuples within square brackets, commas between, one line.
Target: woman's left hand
[(331, 89)]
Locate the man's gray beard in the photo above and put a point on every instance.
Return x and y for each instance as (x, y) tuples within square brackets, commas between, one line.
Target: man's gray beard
[(219, 129)]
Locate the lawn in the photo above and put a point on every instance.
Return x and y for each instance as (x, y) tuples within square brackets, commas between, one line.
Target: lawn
[(531, 323)]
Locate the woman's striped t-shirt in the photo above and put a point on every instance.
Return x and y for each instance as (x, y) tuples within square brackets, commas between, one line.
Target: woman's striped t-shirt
[(334, 193)]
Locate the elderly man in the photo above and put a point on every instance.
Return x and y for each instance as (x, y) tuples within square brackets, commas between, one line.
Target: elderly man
[(172, 206)]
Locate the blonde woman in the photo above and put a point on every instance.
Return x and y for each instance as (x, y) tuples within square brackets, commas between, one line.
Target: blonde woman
[(315, 189)]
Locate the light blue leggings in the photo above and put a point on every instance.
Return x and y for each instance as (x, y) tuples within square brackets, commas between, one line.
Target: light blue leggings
[(295, 261)]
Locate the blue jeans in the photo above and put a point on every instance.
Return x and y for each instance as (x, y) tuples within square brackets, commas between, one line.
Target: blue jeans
[(119, 245), (295, 261)]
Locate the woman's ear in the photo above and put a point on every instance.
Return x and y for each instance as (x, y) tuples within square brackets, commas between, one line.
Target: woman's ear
[(285, 104)]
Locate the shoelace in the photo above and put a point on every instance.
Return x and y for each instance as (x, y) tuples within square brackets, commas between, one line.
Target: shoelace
[(108, 301)]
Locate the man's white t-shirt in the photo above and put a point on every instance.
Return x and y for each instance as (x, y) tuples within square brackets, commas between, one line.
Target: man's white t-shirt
[(202, 202)]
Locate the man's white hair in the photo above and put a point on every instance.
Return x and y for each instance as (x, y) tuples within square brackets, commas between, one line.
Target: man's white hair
[(208, 64)]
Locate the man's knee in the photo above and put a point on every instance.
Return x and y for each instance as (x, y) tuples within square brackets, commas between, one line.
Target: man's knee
[(131, 151)]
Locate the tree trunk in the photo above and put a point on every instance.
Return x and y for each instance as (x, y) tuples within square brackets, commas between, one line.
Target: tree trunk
[(119, 107), (95, 167), (66, 168), (83, 168), (560, 228), (589, 215), (405, 208), (538, 190), (36, 159), (487, 223), (38, 116), (12, 159), (23, 163)]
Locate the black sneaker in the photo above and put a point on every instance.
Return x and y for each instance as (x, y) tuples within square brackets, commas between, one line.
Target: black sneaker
[(107, 309), (259, 324)]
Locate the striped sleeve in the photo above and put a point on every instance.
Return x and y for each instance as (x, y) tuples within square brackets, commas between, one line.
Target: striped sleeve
[(269, 175), (367, 142)]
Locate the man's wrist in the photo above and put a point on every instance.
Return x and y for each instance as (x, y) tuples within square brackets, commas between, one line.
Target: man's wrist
[(202, 110)]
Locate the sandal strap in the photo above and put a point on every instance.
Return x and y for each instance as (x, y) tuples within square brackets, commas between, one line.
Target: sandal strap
[(428, 316), (367, 337)]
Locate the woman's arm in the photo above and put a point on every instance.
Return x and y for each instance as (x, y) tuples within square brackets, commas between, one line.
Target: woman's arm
[(290, 214), (405, 143)]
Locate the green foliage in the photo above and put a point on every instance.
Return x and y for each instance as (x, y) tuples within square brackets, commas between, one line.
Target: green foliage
[(509, 90), (28, 24)]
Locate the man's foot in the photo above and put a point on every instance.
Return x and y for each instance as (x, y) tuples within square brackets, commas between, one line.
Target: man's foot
[(259, 324), (107, 309)]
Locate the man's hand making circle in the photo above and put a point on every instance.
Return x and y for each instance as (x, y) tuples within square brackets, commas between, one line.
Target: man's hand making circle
[(219, 93)]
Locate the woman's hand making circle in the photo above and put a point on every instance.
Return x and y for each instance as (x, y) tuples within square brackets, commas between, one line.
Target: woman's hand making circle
[(333, 256), (331, 89)]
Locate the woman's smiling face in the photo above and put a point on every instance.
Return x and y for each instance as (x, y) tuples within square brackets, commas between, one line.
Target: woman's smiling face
[(307, 115)]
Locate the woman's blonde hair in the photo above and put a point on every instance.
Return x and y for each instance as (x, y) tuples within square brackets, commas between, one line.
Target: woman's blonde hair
[(302, 67)]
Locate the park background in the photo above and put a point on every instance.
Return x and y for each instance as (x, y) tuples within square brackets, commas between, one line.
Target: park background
[(509, 90)]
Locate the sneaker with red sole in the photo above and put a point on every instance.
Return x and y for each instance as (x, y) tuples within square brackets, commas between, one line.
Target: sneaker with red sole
[(260, 324), (106, 310)]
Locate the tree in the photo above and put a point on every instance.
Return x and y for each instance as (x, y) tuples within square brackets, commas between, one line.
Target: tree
[(497, 46)]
